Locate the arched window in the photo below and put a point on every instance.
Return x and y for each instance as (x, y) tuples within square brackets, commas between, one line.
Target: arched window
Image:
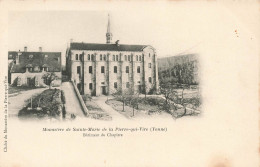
[(105, 58), (125, 58), (140, 59), (77, 56), (136, 57), (92, 57), (128, 57), (116, 57), (88, 56), (113, 57), (100, 57)]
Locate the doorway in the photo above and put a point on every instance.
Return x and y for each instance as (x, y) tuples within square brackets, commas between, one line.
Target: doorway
[(103, 90)]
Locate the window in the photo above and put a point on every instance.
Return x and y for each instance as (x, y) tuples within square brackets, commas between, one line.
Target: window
[(90, 86), (136, 57), (125, 58), (115, 69), (149, 55), (116, 57), (92, 57), (150, 65), (90, 69), (101, 57), (77, 56), (30, 56), (150, 79), (113, 57), (102, 69), (127, 69), (128, 57), (140, 59), (105, 57), (78, 69), (138, 69), (30, 69), (127, 85), (88, 56), (115, 84)]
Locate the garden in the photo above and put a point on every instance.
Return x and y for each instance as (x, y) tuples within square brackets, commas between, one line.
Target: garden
[(48, 104)]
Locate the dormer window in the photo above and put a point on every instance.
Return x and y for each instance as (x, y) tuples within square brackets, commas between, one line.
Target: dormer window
[(29, 67), (45, 67)]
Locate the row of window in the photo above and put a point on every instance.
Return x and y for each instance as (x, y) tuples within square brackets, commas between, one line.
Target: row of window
[(37, 69), (115, 69), (115, 84), (114, 58)]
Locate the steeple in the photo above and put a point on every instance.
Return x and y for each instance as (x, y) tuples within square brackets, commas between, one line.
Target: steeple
[(108, 34)]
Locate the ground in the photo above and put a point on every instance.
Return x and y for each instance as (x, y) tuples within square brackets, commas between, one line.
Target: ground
[(72, 104), (101, 102), (16, 101)]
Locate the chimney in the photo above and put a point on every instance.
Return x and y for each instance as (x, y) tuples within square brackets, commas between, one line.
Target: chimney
[(40, 49), (25, 49), (18, 57), (117, 43)]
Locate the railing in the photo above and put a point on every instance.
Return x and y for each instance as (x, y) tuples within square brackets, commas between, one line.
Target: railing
[(83, 106)]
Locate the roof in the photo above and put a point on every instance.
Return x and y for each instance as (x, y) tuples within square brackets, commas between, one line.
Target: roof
[(32, 59), (107, 47)]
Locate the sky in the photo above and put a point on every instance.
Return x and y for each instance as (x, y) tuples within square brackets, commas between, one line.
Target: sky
[(180, 29)]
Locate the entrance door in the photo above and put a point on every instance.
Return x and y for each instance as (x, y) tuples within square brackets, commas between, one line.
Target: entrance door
[(103, 90)]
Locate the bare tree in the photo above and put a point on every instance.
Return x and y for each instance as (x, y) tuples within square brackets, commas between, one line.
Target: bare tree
[(49, 78)]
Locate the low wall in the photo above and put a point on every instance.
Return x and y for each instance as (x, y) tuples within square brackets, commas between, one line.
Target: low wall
[(84, 108)]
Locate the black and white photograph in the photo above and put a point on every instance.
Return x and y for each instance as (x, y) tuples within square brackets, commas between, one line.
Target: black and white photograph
[(102, 66), (129, 83)]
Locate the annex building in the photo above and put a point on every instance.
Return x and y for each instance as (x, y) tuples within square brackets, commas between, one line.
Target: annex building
[(28, 68), (111, 67)]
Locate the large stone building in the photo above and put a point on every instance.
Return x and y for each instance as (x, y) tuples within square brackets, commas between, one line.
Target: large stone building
[(28, 68), (107, 68)]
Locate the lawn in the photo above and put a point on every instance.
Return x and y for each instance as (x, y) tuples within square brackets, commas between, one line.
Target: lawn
[(95, 111), (148, 106)]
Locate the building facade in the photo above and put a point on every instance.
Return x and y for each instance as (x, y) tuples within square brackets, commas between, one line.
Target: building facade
[(108, 68), (28, 68)]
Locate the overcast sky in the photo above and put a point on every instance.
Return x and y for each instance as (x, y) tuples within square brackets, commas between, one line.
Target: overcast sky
[(170, 32)]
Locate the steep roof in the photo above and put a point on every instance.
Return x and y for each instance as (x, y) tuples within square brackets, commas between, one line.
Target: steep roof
[(107, 47), (50, 59)]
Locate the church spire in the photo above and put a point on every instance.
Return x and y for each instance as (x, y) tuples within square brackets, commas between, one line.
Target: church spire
[(108, 34)]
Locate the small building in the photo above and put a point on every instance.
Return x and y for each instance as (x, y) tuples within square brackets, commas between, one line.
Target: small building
[(28, 68)]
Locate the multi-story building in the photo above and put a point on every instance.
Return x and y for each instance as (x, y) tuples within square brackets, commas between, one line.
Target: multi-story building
[(28, 68), (107, 68)]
